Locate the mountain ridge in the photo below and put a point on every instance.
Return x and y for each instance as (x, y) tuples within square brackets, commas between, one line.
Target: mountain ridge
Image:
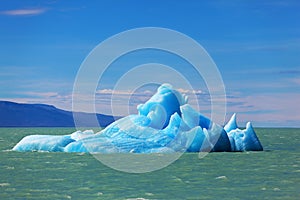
[(13, 114)]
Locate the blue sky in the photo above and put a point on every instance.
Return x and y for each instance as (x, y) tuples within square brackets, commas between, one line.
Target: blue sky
[(255, 44)]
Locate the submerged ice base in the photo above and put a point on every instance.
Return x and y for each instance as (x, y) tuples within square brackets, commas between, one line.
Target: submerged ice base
[(164, 124)]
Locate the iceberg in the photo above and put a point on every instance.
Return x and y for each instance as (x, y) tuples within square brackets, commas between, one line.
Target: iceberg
[(166, 123), (242, 140)]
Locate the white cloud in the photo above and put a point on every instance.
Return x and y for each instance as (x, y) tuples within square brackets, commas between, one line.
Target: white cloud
[(115, 92), (144, 92), (42, 94), (23, 12)]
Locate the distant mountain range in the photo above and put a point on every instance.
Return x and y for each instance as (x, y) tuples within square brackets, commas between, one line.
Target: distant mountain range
[(41, 115)]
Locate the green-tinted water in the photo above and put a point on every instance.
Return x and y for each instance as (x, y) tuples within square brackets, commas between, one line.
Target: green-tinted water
[(271, 174)]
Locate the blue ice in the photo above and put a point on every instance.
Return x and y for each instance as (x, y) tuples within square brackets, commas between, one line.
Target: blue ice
[(166, 123)]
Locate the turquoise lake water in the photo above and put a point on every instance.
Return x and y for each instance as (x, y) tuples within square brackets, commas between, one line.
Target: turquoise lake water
[(271, 174)]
